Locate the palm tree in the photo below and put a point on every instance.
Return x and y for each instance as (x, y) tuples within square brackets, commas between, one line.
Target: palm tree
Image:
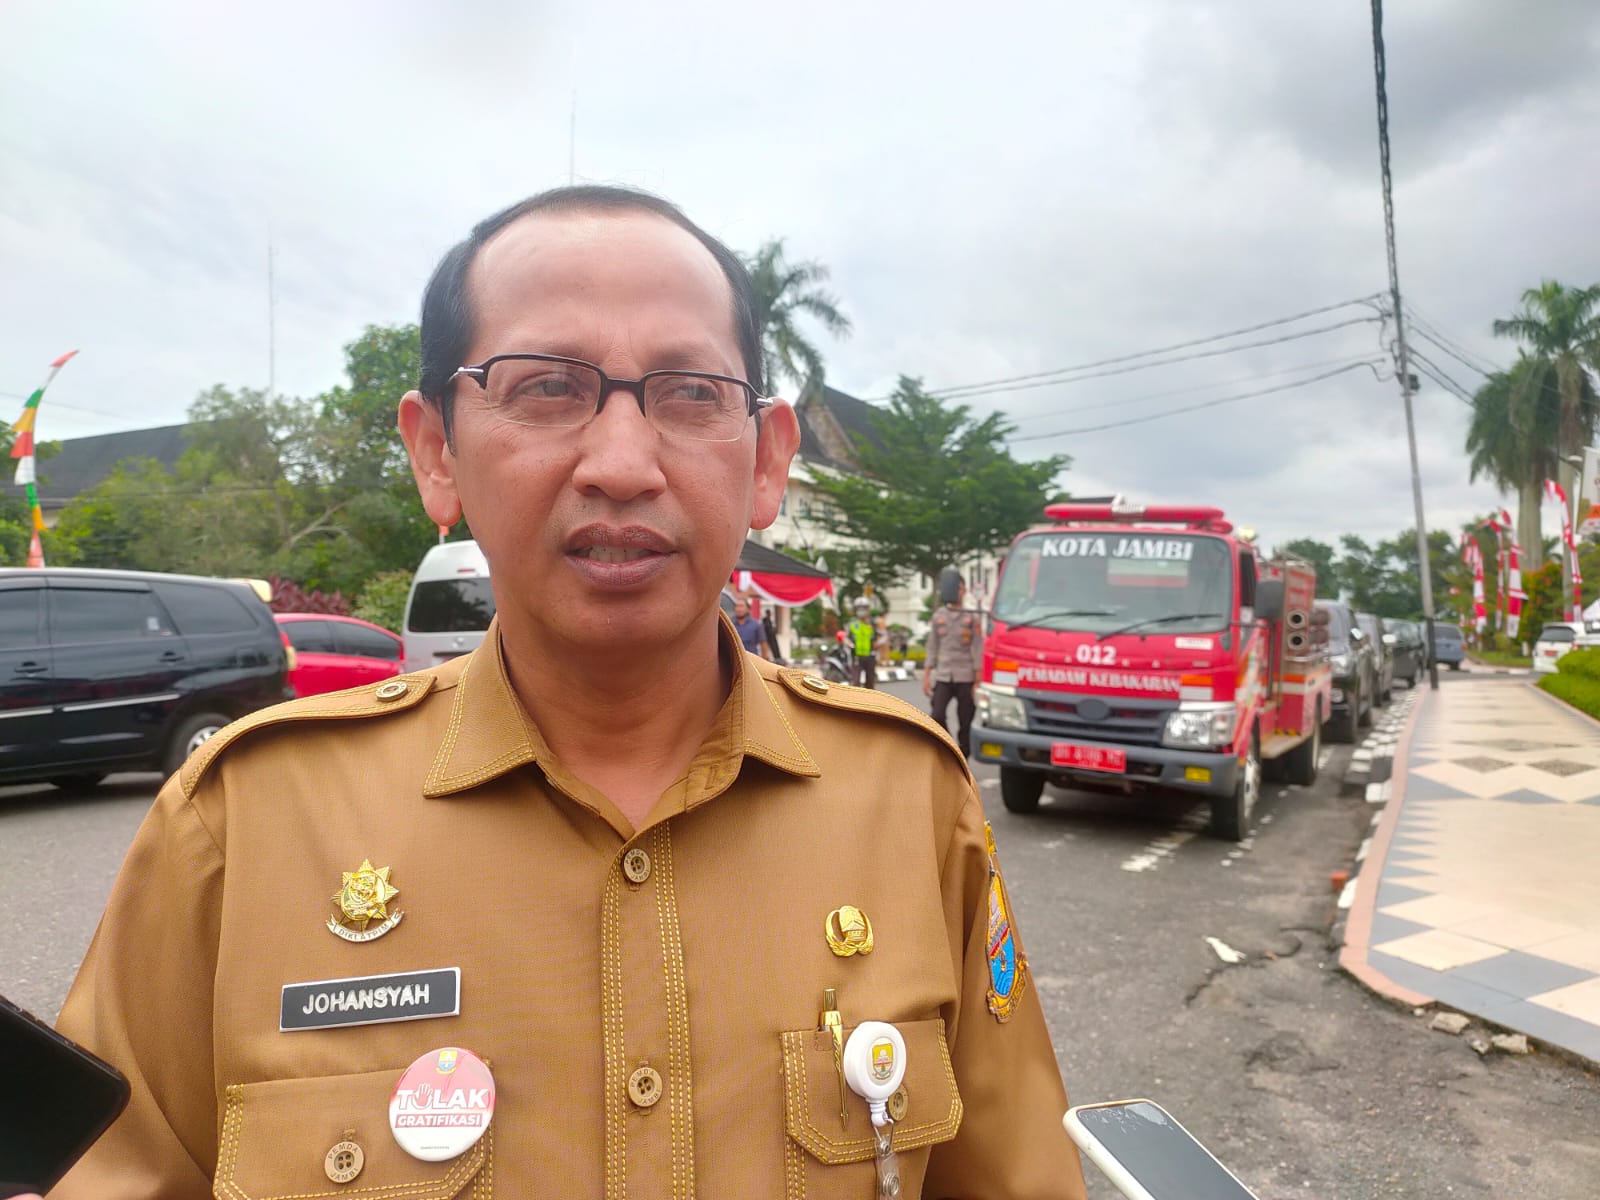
[(1514, 445), (784, 290), (1559, 331)]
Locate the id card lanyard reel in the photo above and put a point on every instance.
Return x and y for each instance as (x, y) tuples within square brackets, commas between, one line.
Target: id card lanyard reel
[(874, 1065)]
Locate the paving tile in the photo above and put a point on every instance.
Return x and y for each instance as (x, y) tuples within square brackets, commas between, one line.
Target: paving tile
[(1420, 787), (1388, 929), (1403, 873), (1579, 949), (1512, 929), (1546, 1025), (1527, 796), (1398, 893), (1437, 911), (1439, 985), (1562, 766), (1439, 950), (1580, 1000), (1523, 975), (1483, 763)]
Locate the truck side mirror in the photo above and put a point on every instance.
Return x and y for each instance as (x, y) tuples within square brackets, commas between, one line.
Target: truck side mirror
[(1269, 599)]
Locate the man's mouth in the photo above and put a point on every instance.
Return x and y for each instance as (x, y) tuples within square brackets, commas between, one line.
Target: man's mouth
[(612, 554)]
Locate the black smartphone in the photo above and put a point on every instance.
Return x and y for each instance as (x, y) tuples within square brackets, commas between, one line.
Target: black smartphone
[(1142, 1149), (57, 1100)]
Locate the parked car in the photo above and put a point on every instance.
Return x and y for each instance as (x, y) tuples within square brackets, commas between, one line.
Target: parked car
[(105, 671), (332, 653), (1354, 664), (1408, 648), (1554, 640), (450, 605), (1449, 647), (1374, 629)]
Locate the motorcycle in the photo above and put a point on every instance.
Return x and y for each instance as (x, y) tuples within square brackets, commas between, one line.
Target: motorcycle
[(835, 662)]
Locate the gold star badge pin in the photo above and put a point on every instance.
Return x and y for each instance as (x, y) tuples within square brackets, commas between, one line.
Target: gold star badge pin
[(363, 898)]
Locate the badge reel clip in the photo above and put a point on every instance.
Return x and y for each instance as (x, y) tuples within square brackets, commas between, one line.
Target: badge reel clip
[(874, 1065)]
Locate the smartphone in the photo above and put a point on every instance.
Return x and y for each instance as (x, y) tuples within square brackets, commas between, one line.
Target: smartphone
[(1149, 1156), (58, 1098)]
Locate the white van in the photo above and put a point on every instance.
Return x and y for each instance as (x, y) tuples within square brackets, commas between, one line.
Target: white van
[(450, 605)]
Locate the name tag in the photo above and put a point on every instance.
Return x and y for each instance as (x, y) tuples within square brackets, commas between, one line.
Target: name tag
[(371, 999)]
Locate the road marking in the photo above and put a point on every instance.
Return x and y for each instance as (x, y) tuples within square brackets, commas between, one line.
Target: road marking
[(1225, 952), (1162, 848)]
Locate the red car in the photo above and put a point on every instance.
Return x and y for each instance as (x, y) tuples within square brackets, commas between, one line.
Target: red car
[(337, 652)]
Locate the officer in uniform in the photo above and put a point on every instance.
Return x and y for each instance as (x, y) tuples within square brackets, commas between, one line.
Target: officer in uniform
[(955, 656), (609, 906), (862, 636)]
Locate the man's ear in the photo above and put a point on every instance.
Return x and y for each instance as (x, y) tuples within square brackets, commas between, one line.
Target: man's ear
[(775, 447), (433, 463)]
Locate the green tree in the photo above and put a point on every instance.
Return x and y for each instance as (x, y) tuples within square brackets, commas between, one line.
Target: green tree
[(1512, 437), (785, 292), (1320, 555), (1558, 330), (383, 599), (939, 486)]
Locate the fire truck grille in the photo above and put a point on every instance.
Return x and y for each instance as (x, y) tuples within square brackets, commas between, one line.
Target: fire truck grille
[(1128, 722)]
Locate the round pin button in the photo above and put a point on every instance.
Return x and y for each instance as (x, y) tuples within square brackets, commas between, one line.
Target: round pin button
[(344, 1162), (392, 690), (644, 1087), (442, 1104), (819, 686), (636, 865), (898, 1103)]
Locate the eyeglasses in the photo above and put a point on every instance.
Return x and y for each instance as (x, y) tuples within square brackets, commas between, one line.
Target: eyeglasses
[(549, 392)]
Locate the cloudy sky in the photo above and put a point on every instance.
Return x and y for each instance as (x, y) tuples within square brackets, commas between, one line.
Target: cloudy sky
[(1042, 187)]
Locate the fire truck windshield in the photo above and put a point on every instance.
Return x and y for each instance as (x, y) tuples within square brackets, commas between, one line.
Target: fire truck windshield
[(1100, 581)]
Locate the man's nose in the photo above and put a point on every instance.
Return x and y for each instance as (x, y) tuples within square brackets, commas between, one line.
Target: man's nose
[(620, 450)]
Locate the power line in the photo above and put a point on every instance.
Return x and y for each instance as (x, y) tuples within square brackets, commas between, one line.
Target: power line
[(998, 384), (1164, 362), (1425, 335), (1417, 317), (1371, 364), (1452, 385), (1183, 391)]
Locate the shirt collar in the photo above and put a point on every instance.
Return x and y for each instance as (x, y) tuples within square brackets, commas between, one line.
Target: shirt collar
[(489, 734)]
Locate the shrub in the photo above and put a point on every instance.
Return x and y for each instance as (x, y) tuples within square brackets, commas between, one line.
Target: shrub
[(1583, 664), (1580, 691), (289, 597), (383, 599)]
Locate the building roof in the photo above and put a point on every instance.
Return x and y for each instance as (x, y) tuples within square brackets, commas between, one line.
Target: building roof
[(831, 424), (767, 561), (86, 461)]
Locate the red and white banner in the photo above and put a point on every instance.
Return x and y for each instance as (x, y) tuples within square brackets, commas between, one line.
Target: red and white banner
[(1472, 555), (790, 590), (1511, 593), (1556, 493)]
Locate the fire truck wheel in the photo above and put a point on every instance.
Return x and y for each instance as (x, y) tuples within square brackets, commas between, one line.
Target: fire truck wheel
[(1300, 764), (1020, 790), (1230, 814)]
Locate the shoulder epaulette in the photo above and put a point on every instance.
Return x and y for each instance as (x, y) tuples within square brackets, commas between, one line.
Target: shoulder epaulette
[(868, 700), (370, 700)]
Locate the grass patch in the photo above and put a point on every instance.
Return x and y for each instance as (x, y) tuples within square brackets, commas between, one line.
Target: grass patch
[(1579, 691), (1499, 658)]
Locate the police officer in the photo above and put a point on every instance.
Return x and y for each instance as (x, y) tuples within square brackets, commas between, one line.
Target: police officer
[(862, 637), (955, 656), (599, 908)]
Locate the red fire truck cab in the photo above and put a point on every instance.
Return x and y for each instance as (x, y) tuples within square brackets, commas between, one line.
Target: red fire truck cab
[(1137, 647)]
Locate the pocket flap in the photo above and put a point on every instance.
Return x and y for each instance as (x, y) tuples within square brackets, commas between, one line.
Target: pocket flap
[(811, 1095), (276, 1136)]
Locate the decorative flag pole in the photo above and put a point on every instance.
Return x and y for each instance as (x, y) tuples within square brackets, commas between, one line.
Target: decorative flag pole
[(1556, 493), (22, 451)]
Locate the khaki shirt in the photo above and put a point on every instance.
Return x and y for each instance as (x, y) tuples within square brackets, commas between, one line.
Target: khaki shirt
[(589, 953), (955, 646)]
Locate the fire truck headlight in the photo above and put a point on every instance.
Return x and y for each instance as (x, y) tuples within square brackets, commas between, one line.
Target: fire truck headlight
[(1201, 726), (999, 710)]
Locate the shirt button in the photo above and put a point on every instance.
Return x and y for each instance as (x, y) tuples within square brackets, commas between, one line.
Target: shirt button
[(344, 1162), (644, 1087), (392, 690), (898, 1103), (820, 686), (636, 865)]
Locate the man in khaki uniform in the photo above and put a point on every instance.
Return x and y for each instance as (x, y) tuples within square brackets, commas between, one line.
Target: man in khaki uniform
[(641, 873), (955, 658)]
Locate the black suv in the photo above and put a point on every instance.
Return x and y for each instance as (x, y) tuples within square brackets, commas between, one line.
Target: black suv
[(105, 671), (1355, 673)]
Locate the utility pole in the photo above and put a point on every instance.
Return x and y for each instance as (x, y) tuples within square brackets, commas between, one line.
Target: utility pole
[(1402, 362)]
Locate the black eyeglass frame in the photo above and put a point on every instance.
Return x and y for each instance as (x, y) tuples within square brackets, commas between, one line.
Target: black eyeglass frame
[(479, 374)]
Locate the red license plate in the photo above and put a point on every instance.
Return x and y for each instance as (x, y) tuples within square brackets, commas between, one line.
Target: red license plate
[(1088, 758)]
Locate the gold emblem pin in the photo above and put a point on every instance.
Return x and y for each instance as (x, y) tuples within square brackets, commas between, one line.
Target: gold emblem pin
[(362, 899), (848, 931)]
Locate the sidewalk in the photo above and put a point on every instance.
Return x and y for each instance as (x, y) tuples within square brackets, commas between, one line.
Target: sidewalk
[(1480, 889)]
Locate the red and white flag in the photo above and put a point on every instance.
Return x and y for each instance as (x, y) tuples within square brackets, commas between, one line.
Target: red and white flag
[(1556, 493)]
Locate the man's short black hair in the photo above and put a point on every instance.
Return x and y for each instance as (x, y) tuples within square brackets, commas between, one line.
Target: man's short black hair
[(447, 317)]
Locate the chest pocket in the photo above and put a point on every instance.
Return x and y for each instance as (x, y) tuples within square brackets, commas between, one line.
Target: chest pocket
[(277, 1136), (811, 1112)]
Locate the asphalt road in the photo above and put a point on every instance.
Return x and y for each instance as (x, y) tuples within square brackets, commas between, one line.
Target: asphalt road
[(1302, 1082)]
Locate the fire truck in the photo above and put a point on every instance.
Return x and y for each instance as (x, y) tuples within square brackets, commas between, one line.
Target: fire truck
[(1136, 648)]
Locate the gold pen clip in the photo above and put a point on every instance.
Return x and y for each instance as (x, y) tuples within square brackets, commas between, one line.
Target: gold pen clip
[(834, 1024)]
